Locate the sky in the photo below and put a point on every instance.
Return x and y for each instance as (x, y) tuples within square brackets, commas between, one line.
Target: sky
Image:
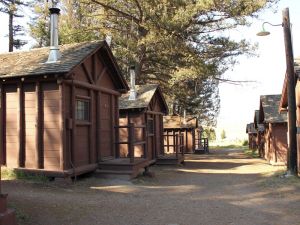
[(266, 71)]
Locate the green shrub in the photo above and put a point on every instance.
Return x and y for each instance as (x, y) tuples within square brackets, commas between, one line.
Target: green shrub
[(245, 143), (11, 174)]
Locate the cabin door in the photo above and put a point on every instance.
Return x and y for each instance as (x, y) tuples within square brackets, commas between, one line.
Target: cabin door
[(106, 126)]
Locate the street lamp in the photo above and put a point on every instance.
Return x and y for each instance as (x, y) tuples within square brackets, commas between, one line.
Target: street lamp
[(263, 32), (290, 73)]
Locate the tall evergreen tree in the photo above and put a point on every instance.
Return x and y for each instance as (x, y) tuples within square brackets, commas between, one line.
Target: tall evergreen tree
[(179, 44), (12, 8), (39, 24)]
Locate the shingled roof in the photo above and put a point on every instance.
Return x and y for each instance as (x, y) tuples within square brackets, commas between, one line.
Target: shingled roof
[(269, 109), (250, 128), (284, 99), (145, 94), (33, 62), (178, 122)]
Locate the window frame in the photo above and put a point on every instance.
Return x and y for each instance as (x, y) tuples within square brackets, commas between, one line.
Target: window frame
[(151, 132), (84, 112)]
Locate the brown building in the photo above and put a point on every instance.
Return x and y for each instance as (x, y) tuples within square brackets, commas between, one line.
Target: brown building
[(252, 136), (58, 117), (275, 135), (260, 128), (145, 112), (284, 104), (188, 127)]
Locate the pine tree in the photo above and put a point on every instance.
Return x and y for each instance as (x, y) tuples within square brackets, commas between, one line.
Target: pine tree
[(12, 8), (179, 44), (39, 24)]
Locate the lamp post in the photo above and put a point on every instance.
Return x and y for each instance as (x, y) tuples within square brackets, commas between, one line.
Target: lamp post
[(292, 148)]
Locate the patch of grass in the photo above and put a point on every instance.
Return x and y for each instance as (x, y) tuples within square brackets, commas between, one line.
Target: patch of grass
[(251, 153), (11, 174), (20, 216), (277, 180)]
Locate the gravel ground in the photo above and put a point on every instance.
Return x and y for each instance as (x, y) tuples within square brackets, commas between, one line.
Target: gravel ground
[(222, 188)]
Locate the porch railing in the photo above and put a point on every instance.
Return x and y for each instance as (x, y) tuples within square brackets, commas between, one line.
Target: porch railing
[(175, 142), (202, 144), (131, 142)]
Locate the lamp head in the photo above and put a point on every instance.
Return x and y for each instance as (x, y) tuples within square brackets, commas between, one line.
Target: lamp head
[(263, 33)]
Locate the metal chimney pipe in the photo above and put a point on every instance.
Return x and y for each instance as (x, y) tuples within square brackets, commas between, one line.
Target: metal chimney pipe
[(184, 117), (108, 39), (132, 92), (54, 54)]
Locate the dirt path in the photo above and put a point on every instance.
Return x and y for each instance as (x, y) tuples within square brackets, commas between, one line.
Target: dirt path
[(223, 188)]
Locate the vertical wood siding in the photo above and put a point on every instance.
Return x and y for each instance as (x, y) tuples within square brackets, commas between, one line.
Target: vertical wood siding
[(12, 126), (30, 113), (51, 133)]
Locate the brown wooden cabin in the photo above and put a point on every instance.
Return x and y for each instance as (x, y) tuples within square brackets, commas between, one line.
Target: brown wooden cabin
[(145, 114), (283, 106), (58, 118), (260, 128), (275, 135), (187, 127), (252, 136)]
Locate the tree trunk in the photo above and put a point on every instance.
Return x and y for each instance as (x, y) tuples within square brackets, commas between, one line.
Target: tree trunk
[(10, 32)]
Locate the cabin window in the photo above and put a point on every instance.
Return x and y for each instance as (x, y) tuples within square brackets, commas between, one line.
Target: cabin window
[(150, 126), (82, 110)]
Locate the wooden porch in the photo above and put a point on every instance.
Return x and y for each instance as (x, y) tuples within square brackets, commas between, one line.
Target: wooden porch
[(173, 152), (123, 167), (201, 144), (132, 165)]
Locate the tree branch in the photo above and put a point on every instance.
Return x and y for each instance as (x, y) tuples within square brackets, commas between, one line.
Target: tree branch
[(125, 15)]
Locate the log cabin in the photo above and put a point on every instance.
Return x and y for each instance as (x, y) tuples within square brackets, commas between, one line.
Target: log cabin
[(275, 135), (143, 108), (187, 127), (283, 106), (58, 117), (252, 136), (260, 128)]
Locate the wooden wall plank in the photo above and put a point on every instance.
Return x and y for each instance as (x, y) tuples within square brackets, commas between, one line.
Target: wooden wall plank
[(2, 127), (91, 128), (62, 156), (98, 127), (21, 130)]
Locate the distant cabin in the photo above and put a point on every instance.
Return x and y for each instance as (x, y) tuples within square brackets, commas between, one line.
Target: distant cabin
[(260, 128), (59, 118), (252, 136), (188, 127), (145, 113), (275, 134)]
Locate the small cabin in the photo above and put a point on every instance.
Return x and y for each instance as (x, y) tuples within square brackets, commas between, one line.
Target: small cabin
[(252, 136), (144, 113), (260, 128), (275, 134), (59, 118), (187, 127), (283, 107)]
